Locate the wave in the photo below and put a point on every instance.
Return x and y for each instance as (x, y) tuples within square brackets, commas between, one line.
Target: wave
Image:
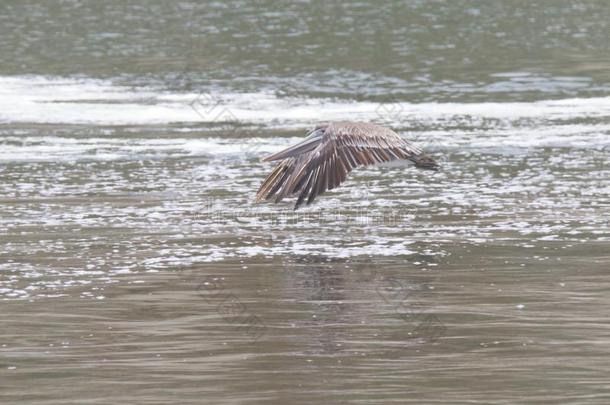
[(30, 101)]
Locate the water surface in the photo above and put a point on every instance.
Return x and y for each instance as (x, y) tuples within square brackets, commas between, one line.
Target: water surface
[(135, 267)]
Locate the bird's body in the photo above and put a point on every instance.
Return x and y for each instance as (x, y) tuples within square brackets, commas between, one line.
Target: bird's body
[(322, 160)]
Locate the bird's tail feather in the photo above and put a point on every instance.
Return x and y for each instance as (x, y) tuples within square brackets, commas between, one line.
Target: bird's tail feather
[(281, 182), (275, 180)]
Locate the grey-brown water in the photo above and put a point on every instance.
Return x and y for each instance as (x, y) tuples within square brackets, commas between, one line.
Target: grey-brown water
[(135, 268)]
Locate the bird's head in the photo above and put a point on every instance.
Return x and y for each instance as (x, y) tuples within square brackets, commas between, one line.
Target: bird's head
[(317, 132), (424, 161), (320, 127)]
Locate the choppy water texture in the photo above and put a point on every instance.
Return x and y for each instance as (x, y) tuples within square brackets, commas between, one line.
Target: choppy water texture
[(135, 268)]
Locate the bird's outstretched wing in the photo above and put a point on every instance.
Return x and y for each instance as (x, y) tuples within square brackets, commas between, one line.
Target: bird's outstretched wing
[(343, 147)]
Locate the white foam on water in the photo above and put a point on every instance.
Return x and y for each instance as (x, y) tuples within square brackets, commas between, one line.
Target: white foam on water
[(38, 99), (60, 148), (68, 101)]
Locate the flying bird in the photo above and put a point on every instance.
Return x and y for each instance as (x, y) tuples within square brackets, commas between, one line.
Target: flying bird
[(324, 158)]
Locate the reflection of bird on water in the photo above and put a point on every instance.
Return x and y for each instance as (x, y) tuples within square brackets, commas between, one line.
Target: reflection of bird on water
[(319, 286), (322, 160)]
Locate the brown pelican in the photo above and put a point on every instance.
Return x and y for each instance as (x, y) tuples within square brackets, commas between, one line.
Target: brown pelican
[(322, 160)]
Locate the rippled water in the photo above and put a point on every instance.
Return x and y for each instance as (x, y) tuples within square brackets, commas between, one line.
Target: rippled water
[(135, 267)]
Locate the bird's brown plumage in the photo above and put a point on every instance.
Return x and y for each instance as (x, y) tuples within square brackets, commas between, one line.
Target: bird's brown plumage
[(322, 160)]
